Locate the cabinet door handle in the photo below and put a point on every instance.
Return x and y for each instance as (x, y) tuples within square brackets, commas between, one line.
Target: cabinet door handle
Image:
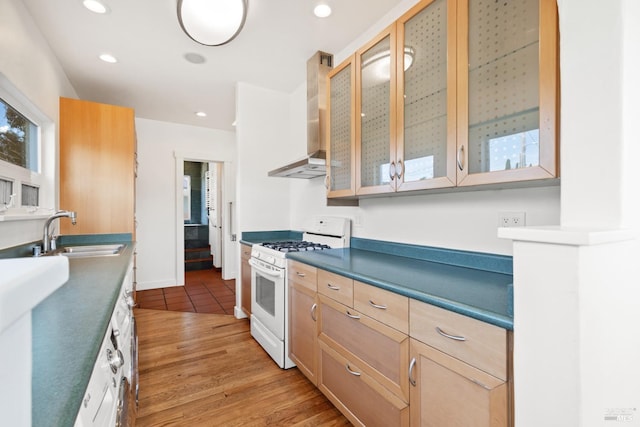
[(351, 371), (373, 304), (412, 366), (392, 171), (353, 316), (300, 274), (326, 181), (459, 158), (333, 288), (453, 337), (313, 311), (400, 169)]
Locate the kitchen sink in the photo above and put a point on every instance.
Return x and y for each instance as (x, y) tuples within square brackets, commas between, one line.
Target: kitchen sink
[(90, 251)]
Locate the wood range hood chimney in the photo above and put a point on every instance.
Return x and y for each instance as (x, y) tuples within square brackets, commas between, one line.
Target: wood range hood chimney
[(314, 165)]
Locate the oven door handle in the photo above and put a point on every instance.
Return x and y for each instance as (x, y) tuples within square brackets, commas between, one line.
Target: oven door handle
[(263, 270)]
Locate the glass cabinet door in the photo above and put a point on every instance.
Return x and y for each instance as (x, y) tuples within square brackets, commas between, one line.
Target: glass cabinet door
[(341, 130), (510, 79), (426, 100), (375, 114)]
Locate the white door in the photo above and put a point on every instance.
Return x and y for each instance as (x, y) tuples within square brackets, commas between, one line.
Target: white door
[(213, 188)]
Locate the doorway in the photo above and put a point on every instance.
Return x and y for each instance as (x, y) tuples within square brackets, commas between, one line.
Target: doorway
[(202, 216), (203, 209)]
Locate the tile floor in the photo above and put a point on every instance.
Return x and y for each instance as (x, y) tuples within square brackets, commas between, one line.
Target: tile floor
[(204, 292)]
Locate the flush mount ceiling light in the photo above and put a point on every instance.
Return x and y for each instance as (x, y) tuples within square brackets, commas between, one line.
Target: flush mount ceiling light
[(201, 114), (95, 6), (108, 58), (212, 23), (322, 10)]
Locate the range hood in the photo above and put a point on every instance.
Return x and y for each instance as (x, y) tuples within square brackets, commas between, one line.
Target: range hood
[(314, 165)]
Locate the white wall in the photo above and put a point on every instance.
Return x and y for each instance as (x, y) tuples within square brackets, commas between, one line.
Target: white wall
[(263, 135), (158, 143), (29, 64)]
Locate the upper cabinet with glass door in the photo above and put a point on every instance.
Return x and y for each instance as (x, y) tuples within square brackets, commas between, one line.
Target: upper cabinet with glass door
[(341, 130), (507, 78), (426, 98), (375, 115)]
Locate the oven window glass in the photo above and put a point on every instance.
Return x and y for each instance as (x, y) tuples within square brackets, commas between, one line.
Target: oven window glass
[(266, 294)]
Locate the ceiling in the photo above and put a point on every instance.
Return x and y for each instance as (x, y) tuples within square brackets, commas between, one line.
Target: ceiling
[(153, 77)]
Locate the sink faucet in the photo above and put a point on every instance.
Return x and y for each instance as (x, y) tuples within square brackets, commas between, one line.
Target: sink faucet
[(46, 238)]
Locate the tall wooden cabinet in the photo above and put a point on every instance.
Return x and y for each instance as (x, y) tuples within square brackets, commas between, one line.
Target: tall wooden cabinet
[(97, 167)]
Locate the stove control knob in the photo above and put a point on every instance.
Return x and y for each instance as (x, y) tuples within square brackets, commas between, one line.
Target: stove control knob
[(130, 301), (115, 359)]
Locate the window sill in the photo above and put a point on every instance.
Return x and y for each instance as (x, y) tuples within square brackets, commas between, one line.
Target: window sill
[(24, 216)]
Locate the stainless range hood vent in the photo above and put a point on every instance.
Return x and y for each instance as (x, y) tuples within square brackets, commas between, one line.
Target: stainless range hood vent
[(318, 66)]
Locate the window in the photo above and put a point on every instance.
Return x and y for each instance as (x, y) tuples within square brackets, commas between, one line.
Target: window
[(18, 138), (26, 176)]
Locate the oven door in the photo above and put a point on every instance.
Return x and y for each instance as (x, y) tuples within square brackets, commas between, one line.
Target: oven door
[(268, 296)]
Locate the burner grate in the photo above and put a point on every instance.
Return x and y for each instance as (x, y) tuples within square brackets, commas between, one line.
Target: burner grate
[(295, 246)]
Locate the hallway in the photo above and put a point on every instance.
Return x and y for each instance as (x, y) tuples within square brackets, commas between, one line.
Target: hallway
[(204, 292)]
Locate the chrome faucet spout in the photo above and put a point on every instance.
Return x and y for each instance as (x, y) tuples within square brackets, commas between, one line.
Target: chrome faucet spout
[(46, 237)]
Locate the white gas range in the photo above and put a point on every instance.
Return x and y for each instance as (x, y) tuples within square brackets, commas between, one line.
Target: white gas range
[(269, 290)]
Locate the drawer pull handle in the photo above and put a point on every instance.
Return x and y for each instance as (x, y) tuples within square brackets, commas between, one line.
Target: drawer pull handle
[(412, 366), (446, 335), (313, 311), (381, 307), (357, 374), (300, 274), (333, 288), (353, 316)]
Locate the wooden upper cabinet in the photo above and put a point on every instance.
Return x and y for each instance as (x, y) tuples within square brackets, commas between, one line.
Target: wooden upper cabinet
[(97, 167), (508, 91), (426, 96), (341, 130), (455, 93), (376, 114)]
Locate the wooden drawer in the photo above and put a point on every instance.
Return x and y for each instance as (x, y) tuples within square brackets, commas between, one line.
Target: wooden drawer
[(334, 286), (379, 350), (477, 343), (303, 274), (358, 396), (387, 307)]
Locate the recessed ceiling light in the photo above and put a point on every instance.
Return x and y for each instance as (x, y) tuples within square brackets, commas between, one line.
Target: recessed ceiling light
[(322, 10), (95, 6), (201, 114), (108, 58), (194, 58)]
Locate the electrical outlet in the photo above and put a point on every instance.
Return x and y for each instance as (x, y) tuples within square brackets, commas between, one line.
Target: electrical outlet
[(511, 219), (357, 221)]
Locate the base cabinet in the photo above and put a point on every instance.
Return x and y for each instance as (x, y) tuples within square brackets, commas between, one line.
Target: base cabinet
[(446, 392), (245, 279), (387, 360), (303, 328)]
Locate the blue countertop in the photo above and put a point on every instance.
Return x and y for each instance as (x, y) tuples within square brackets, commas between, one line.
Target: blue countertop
[(478, 285), (483, 295), (68, 329)]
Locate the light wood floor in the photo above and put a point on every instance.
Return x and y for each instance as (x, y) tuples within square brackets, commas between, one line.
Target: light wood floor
[(206, 370)]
